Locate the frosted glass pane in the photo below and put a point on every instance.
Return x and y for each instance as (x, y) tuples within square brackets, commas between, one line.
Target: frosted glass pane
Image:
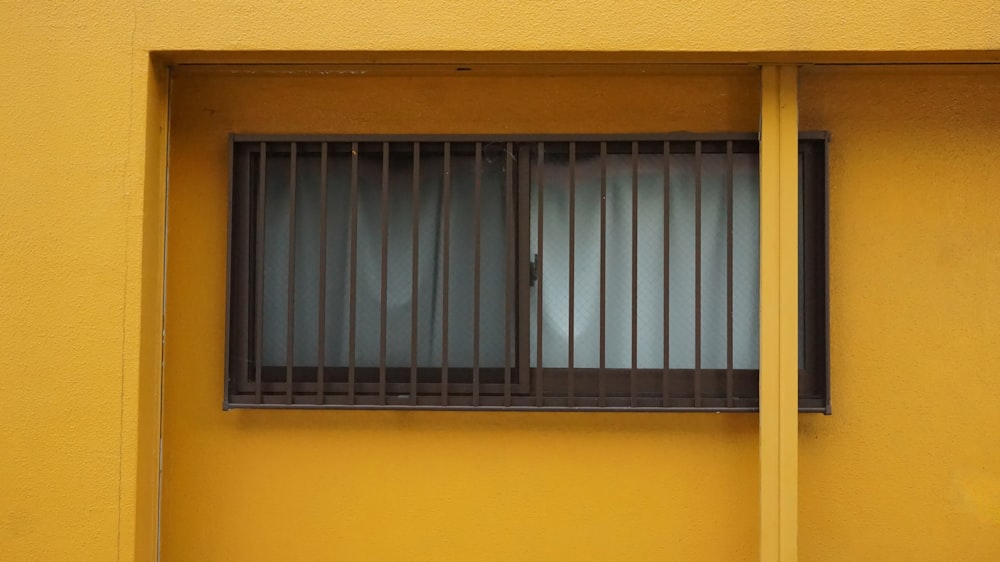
[(400, 254), (650, 268)]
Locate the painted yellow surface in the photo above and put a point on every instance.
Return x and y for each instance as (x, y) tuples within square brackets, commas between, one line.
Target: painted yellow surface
[(779, 271), (908, 466), (148, 397), (80, 250), (429, 485), (73, 111)]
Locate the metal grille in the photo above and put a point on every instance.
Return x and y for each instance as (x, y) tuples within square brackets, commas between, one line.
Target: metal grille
[(509, 273)]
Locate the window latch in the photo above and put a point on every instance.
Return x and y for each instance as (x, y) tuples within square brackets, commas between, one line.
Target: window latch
[(533, 270)]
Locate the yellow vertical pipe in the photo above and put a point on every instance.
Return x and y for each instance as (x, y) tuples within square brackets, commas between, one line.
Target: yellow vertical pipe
[(779, 314)]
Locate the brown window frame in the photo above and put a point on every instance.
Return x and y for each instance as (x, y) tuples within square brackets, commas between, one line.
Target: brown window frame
[(518, 386)]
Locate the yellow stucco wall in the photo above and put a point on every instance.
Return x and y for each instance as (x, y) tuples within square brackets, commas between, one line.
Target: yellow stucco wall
[(429, 485), (908, 466), (81, 250)]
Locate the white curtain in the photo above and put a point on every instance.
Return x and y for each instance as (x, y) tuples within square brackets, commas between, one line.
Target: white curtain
[(554, 258), (618, 281), (430, 262)]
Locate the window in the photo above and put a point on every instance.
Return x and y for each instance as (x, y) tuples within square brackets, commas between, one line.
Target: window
[(510, 273)]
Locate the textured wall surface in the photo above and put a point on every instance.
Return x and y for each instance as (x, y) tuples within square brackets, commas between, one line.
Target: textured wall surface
[(429, 485), (908, 467), (79, 219), (72, 109), (589, 25)]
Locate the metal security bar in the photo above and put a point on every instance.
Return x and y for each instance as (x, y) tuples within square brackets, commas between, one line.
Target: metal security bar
[(612, 273)]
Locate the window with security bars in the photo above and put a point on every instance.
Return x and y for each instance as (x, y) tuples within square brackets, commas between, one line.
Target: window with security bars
[(510, 273)]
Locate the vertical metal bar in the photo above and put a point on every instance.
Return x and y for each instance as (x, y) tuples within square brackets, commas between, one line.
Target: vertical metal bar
[(824, 348), (236, 278), (635, 273), (415, 267), (244, 203), (509, 286), (697, 274), (446, 217), (604, 251), (321, 328), (666, 273), (290, 330), (382, 346), (539, 259), (571, 378), (729, 274), (259, 274), (523, 303), (353, 314), (477, 227)]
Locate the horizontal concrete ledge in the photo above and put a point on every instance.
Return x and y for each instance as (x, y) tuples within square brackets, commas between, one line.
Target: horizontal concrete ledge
[(499, 61)]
